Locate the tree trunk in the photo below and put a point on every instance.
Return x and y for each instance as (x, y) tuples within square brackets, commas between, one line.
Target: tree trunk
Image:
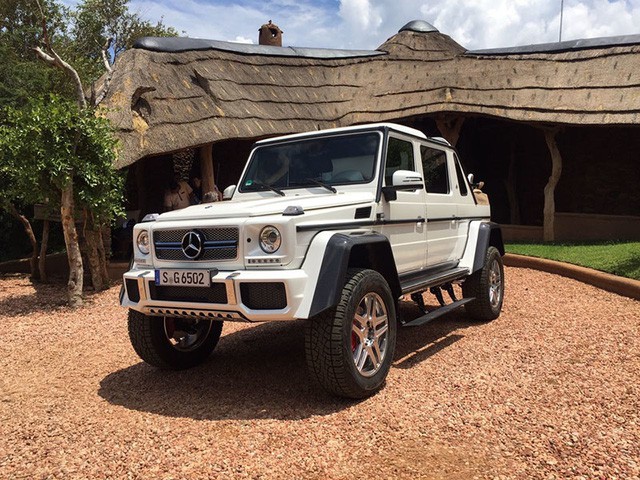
[(42, 261), (95, 254), (550, 188), (33, 261), (74, 285)]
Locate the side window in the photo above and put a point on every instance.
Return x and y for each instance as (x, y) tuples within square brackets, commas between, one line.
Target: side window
[(434, 165), (399, 157), (462, 182)]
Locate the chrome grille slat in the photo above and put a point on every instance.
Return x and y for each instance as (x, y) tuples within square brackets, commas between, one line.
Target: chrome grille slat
[(219, 244)]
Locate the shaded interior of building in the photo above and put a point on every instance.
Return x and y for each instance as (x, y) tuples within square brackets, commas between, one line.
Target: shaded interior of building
[(600, 174)]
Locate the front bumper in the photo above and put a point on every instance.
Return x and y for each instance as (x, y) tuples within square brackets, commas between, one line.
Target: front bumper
[(239, 295)]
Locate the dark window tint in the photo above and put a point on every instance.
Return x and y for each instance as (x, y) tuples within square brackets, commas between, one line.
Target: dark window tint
[(434, 165), (339, 159), (461, 180), (399, 157)]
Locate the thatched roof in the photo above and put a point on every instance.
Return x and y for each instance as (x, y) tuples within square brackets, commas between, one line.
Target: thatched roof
[(200, 91)]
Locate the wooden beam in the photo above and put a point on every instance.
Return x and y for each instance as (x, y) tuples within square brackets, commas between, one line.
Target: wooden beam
[(206, 168), (550, 189), (450, 128)]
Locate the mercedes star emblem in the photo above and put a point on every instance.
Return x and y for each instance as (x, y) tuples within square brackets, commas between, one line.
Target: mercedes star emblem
[(192, 244)]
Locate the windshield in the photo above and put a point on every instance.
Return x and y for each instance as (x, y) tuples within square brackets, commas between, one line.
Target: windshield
[(312, 162)]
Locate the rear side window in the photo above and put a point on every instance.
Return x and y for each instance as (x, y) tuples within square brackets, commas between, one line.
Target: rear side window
[(461, 180), (399, 157), (434, 165)]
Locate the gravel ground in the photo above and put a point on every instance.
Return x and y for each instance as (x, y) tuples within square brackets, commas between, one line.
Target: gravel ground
[(549, 390)]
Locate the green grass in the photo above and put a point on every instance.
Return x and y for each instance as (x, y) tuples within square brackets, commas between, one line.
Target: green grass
[(620, 258)]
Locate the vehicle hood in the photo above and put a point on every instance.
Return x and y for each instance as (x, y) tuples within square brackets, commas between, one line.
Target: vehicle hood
[(267, 205)]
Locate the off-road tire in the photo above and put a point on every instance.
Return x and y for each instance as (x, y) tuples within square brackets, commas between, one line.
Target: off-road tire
[(149, 340), (485, 307), (328, 338)]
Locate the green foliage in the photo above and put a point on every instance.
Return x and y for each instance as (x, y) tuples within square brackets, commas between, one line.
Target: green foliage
[(619, 258), (21, 73), (95, 21), (50, 143), (77, 35)]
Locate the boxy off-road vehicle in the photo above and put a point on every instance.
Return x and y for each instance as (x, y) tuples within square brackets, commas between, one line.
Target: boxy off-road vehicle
[(331, 226)]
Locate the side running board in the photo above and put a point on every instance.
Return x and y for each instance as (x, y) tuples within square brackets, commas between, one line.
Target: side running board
[(437, 313), (422, 283)]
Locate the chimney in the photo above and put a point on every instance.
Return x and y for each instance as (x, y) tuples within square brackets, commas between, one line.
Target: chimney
[(270, 34)]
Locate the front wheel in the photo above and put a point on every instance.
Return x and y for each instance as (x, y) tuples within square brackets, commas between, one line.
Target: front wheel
[(487, 286), (173, 343), (349, 349)]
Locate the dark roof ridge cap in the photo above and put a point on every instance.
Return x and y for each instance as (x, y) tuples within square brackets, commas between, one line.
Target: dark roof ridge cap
[(560, 47), (419, 26), (186, 44)]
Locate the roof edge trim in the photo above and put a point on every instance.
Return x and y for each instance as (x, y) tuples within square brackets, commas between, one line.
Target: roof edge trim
[(185, 44), (559, 47)]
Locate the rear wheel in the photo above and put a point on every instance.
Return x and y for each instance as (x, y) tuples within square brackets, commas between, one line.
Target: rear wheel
[(349, 349), (487, 286), (173, 343)]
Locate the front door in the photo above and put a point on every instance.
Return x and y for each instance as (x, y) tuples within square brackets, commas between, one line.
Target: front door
[(404, 217)]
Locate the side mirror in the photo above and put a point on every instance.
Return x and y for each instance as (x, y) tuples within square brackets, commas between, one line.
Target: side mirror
[(228, 192), (405, 180), (471, 181)]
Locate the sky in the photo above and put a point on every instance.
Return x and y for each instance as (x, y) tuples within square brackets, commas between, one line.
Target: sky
[(366, 24)]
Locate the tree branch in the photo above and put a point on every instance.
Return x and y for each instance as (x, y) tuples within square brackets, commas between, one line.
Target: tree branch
[(53, 59), (96, 99), (105, 58)]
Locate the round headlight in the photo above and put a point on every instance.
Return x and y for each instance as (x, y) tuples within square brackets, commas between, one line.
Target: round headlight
[(270, 239), (143, 242)]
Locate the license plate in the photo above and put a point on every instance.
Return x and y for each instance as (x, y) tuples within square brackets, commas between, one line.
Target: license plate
[(184, 278)]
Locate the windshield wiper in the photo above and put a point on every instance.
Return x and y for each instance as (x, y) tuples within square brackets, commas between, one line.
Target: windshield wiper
[(270, 187), (321, 184)]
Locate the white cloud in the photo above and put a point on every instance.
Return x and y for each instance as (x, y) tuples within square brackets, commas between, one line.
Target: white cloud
[(240, 39), (366, 24)]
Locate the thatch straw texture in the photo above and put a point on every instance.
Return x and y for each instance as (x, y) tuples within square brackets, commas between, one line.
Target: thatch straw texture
[(166, 101)]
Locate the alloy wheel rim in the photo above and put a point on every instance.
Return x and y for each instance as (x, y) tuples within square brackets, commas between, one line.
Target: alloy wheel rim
[(186, 335), (495, 284), (369, 334)]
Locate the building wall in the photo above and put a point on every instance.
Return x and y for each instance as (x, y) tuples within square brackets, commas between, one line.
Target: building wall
[(601, 171)]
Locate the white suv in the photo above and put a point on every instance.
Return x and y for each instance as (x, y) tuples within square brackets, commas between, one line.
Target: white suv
[(332, 226)]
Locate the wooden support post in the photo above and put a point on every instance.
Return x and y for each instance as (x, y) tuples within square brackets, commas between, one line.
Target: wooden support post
[(206, 168), (550, 188), (450, 128), (511, 187), (144, 202)]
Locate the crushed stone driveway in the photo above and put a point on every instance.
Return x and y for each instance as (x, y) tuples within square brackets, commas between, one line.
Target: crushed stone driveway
[(548, 390)]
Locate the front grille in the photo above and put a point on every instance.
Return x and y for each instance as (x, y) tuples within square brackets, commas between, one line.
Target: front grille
[(217, 293), (132, 290), (219, 244), (264, 296)]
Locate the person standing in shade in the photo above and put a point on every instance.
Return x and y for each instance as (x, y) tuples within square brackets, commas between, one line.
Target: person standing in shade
[(178, 196)]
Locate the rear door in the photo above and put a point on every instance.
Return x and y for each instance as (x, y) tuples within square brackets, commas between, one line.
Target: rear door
[(441, 198)]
